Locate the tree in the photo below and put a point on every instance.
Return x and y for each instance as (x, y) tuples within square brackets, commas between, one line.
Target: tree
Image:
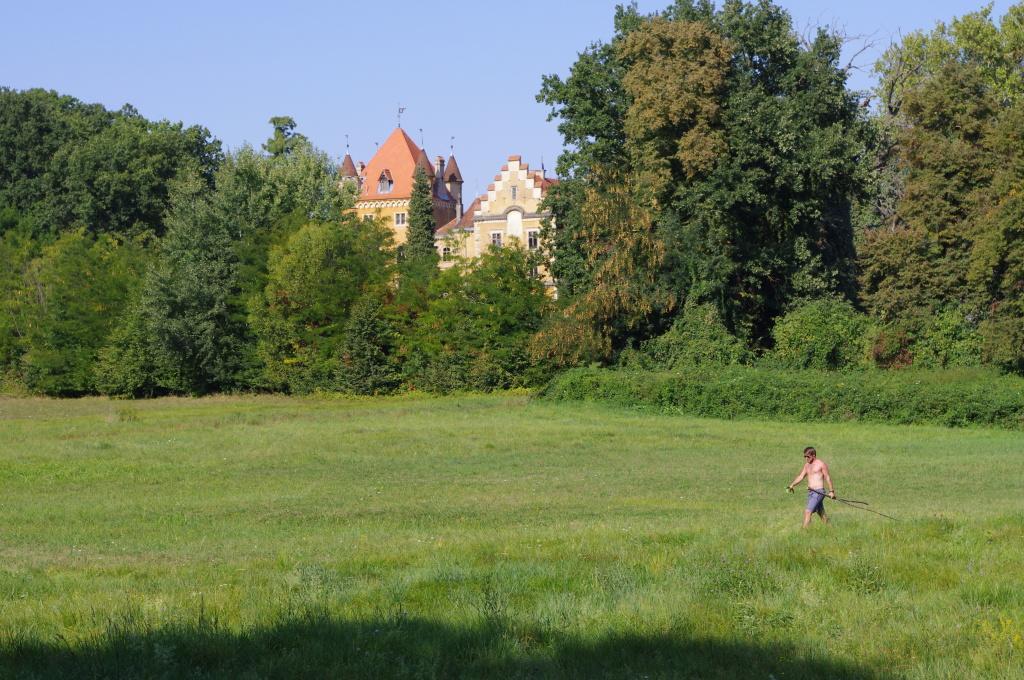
[(284, 140), (68, 165), (367, 360), (476, 329), (738, 149), (422, 225), (314, 279), (76, 291), (196, 335)]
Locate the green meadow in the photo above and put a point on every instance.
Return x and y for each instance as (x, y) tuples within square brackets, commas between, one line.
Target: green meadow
[(496, 537)]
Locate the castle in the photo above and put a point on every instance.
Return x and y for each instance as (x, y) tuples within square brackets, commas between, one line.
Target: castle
[(509, 213)]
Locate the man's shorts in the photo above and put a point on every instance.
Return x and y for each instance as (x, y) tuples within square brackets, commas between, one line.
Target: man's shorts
[(816, 500)]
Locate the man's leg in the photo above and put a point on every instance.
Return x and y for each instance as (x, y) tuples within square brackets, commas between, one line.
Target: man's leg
[(807, 518), (824, 517)]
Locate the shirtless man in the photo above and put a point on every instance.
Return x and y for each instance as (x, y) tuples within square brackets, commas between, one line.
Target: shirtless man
[(817, 475)]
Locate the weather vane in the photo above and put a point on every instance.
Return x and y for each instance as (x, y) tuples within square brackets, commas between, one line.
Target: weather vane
[(452, 145), (346, 144), (401, 110), (421, 138)]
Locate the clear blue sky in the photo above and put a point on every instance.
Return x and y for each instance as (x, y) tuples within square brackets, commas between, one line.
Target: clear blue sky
[(462, 68)]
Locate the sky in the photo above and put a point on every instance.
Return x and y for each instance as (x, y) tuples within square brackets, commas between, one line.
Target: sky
[(463, 69)]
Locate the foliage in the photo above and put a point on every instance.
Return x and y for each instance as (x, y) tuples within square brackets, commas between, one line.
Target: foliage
[(16, 255), (697, 338), (950, 340), (72, 165), (422, 225), (951, 398), (738, 148), (823, 335), (73, 294), (476, 328), (314, 279), (194, 335), (284, 140), (368, 363), (589, 105)]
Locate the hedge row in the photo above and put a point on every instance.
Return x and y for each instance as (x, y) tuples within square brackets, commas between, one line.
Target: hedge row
[(941, 397)]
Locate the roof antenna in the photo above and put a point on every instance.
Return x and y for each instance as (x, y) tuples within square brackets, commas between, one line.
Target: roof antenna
[(401, 110)]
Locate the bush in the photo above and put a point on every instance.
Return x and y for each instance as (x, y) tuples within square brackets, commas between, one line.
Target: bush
[(950, 340), (823, 334), (952, 397), (697, 338)]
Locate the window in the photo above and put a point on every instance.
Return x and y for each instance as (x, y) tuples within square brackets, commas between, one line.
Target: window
[(399, 219), (367, 218), (496, 239), (535, 272), (385, 183), (532, 240), (515, 193), (446, 254)]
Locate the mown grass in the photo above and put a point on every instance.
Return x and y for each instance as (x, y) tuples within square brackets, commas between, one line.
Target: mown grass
[(495, 536)]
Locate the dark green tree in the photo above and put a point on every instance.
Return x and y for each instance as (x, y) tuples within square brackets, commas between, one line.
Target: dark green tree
[(314, 279), (367, 360), (422, 225), (76, 290), (196, 338), (284, 140), (476, 329)]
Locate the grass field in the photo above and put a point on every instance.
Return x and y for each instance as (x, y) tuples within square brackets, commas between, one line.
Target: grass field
[(497, 537)]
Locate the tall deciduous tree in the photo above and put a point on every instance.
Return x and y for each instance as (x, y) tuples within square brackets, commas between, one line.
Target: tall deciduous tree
[(315, 277)]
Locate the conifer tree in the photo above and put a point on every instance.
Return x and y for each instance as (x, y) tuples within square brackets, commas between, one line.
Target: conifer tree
[(420, 243), (367, 365)]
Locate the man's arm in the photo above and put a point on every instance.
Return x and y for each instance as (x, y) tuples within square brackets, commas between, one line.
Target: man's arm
[(803, 473), (828, 480)]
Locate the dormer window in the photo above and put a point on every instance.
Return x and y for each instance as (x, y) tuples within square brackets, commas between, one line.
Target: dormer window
[(385, 183)]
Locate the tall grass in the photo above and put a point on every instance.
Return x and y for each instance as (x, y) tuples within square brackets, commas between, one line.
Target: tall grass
[(495, 537)]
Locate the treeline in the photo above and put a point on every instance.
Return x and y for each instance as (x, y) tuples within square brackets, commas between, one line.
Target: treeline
[(725, 199), (138, 259)]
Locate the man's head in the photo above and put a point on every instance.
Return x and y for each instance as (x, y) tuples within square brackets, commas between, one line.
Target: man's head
[(810, 454)]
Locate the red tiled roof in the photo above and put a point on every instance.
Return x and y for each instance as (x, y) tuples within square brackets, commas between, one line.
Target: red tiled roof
[(400, 157)]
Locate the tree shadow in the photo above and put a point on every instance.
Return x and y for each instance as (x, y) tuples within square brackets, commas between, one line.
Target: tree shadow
[(399, 647)]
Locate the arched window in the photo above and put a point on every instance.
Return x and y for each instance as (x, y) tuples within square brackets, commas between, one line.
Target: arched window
[(446, 254)]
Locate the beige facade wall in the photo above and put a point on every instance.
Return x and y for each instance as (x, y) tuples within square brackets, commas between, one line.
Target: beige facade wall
[(509, 215), (395, 214)]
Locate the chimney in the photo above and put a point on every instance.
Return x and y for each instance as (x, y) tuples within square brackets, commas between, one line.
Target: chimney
[(439, 167)]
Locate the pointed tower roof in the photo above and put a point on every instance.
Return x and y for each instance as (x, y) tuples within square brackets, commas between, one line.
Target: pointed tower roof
[(348, 168), (397, 158), (452, 168)]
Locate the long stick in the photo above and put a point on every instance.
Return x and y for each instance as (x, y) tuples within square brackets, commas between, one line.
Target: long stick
[(859, 505)]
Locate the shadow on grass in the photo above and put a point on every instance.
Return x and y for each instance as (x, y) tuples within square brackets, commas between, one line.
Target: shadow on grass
[(321, 647)]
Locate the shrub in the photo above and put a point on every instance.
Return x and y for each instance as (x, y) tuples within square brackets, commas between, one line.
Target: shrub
[(949, 397), (823, 334), (697, 338), (950, 340)]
